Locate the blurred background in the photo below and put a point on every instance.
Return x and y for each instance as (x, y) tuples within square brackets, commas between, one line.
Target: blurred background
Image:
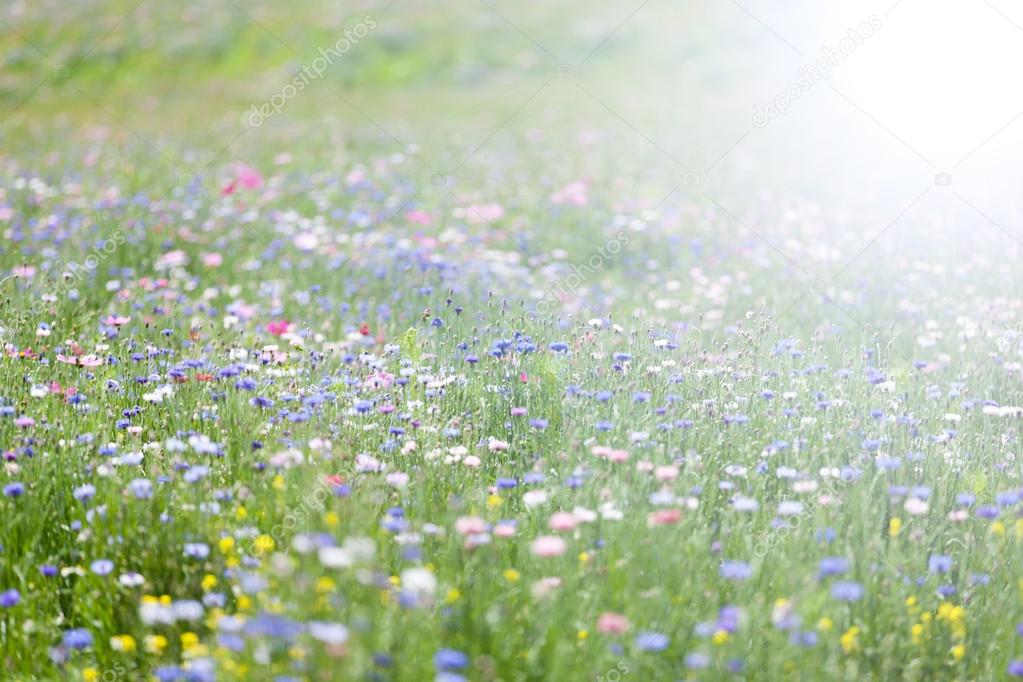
[(810, 129)]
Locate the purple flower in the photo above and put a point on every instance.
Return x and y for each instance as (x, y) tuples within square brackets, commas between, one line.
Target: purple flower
[(1015, 668), (735, 570), (77, 639), (847, 591), (9, 598), (84, 493), (832, 566), (939, 563), (15, 489), (652, 641), (102, 566), (697, 660), (450, 659)]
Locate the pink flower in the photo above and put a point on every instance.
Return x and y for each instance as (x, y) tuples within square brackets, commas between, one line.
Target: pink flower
[(547, 546), (504, 530), (116, 320), (248, 177), (378, 380), (212, 260), (245, 176), (612, 623), (573, 193), (483, 213), (418, 217), (666, 473), (664, 517), (278, 327), (83, 361), (562, 521), (611, 454), (470, 525)]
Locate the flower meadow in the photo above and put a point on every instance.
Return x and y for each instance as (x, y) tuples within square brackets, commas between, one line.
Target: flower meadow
[(476, 380), (358, 447)]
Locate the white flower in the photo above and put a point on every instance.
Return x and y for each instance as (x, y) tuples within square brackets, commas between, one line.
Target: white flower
[(534, 498), (419, 582), (916, 506), (328, 633)]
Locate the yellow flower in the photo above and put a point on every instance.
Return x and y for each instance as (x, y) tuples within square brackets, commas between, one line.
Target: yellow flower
[(494, 501), (155, 644), (324, 585), (264, 543), (825, 624), (917, 633), (209, 581), (331, 519), (189, 640), (244, 602), (849, 640), (511, 575), (395, 580), (958, 651), (583, 557), (1019, 529), (125, 643), (582, 635), (90, 674), (226, 544), (894, 526), (240, 513), (452, 596), (720, 637), (997, 528)]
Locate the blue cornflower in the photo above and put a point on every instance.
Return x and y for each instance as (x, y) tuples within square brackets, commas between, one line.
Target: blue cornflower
[(77, 639), (832, 566), (450, 659), (9, 598), (652, 641), (939, 563), (102, 566), (847, 591)]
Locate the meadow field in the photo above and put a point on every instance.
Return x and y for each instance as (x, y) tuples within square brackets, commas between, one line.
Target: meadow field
[(480, 340)]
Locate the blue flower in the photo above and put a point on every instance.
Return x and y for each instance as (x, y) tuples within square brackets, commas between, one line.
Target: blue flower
[(9, 598), (77, 639), (450, 659), (847, 591), (102, 566), (14, 489), (832, 566), (939, 563), (652, 641), (735, 570)]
